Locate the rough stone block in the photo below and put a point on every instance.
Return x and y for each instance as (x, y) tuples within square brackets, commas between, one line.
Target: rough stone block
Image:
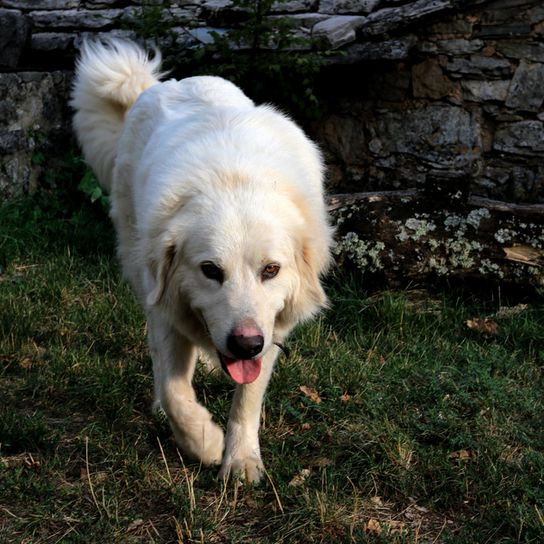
[(75, 18), (527, 87), (204, 35), (388, 19), (52, 41), (306, 20), (451, 47), (100, 4), (339, 30), (31, 103), (440, 135), (455, 26), (506, 30), (337, 7), (13, 36), (522, 50), (485, 91), (428, 81), (293, 6), (387, 50), (524, 138), (480, 67), (41, 4), (12, 141)]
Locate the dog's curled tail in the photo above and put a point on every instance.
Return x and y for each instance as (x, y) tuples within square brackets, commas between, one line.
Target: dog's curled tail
[(110, 75)]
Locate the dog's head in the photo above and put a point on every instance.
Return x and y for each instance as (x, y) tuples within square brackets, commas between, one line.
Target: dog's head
[(247, 264)]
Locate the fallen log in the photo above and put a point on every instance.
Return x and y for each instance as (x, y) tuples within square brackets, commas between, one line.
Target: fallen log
[(413, 235)]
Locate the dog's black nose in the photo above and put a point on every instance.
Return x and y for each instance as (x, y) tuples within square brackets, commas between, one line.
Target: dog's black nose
[(245, 347)]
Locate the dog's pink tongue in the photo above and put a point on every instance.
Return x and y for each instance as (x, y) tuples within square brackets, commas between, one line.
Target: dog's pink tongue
[(243, 371)]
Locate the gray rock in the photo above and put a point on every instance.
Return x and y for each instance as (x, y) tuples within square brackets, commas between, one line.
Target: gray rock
[(480, 67), (216, 5), (31, 104), (523, 138), (100, 4), (53, 41), (204, 35), (451, 47), (457, 25), (507, 30), (13, 37), (132, 14), (387, 50), (527, 87), (305, 20), (388, 19), (12, 141), (40, 4), (439, 135), (339, 30), (519, 182), (485, 91), (522, 50), (500, 114), (75, 18), (293, 6), (338, 7), (220, 13)]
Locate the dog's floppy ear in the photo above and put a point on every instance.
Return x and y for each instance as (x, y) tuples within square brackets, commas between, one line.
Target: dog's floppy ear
[(162, 272), (309, 296)]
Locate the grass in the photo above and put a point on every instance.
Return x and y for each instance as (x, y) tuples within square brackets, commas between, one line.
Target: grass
[(391, 422)]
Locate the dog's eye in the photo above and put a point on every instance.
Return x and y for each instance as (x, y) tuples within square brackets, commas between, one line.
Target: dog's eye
[(212, 271), (270, 271)]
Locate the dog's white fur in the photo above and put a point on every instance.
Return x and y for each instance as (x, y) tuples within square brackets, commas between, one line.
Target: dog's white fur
[(197, 172)]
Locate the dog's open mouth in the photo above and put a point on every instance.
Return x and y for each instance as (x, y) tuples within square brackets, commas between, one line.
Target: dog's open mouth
[(242, 371)]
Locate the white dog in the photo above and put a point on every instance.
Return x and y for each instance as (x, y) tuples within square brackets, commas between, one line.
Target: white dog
[(222, 231)]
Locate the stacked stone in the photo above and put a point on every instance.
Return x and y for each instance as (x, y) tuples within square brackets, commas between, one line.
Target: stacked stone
[(419, 86), (463, 93)]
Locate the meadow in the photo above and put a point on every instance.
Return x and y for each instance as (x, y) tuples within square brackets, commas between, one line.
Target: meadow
[(392, 421)]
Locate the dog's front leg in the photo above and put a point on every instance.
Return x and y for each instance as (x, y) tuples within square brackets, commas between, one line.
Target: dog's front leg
[(242, 455), (174, 359)]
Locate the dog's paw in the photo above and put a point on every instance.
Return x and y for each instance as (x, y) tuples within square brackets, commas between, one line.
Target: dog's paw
[(249, 469), (204, 443)]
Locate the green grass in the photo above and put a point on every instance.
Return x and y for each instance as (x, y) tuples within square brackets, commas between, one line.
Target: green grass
[(411, 427)]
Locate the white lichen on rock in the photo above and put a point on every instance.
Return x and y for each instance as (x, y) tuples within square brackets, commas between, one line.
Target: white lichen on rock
[(437, 264), (475, 216), (453, 221), (504, 235), (364, 254), (415, 228), (461, 253), (488, 267), (453, 254)]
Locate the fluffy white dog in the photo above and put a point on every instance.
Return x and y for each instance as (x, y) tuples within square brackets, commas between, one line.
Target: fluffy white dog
[(222, 231)]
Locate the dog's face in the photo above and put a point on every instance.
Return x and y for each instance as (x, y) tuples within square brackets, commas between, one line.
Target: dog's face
[(243, 269)]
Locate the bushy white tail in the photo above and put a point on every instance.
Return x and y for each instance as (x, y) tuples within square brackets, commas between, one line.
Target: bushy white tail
[(109, 77)]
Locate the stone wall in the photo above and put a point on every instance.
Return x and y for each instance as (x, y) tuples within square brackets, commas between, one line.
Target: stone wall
[(412, 86)]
